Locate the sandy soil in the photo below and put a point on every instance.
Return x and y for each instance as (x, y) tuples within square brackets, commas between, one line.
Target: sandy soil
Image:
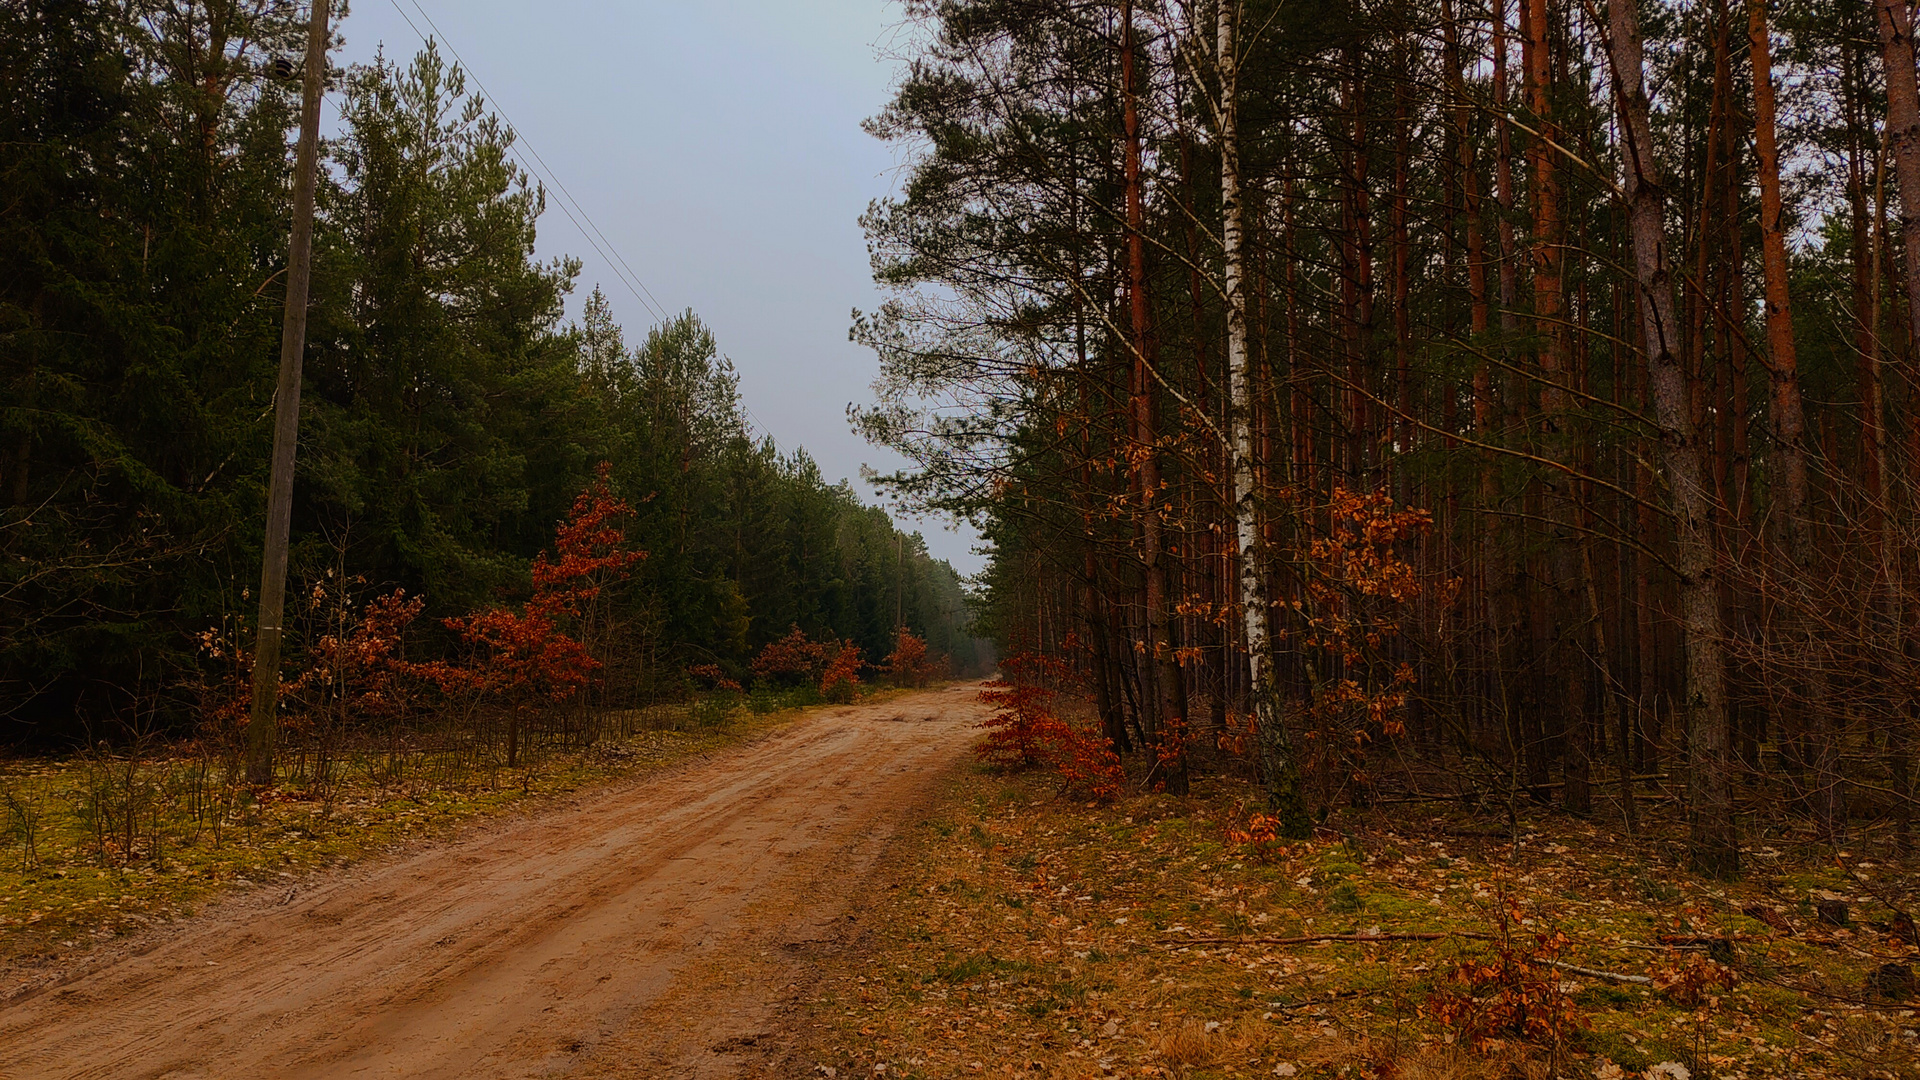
[(658, 928)]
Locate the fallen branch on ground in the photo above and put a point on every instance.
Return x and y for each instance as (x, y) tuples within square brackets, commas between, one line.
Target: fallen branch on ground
[(1595, 973), (1309, 939), (1701, 939), (1310, 1002)]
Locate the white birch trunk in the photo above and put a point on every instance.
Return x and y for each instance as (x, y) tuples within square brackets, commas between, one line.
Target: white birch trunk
[(1278, 765)]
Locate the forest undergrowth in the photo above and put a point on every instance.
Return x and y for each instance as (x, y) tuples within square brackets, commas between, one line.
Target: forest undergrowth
[(1037, 935), (104, 844)]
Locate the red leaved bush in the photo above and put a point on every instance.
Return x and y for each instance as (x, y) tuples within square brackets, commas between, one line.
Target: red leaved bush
[(1026, 730), (908, 663), (841, 681), (792, 659), (795, 659), (590, 548), (1089, 765), (520, 655), (1261, 838), (1512, 993), (1359, 585), (225, 691), (353, 668), (526, 656), (714, 676), (357, 668)]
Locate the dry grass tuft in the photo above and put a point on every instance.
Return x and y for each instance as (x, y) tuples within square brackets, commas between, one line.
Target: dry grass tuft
[(1438, 1063), (1187, 1045)]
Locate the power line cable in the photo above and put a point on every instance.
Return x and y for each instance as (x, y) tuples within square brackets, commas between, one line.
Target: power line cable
[(610, 254), (574, 213), (658, 308)]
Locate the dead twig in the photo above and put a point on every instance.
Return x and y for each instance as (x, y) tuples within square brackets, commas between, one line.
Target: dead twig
[(1595, 973), (1309, 939), (1310, 1002)]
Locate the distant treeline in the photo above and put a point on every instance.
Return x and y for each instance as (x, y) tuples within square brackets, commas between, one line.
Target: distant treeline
[(450, 416)]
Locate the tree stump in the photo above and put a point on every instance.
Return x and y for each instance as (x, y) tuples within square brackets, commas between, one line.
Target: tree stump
[(1903, 928), (1892, 981), (1832, 912)]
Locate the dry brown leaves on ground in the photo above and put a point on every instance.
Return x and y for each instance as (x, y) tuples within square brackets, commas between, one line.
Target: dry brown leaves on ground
[(1032, 936)]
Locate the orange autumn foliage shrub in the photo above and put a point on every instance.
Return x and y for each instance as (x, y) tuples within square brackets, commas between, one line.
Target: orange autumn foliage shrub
[(715, 677), (1513, 992), (1024, 726), (1260, 838), (1358, 588), (519, 655), (791, 660), (225, 692), (908, 663), (841, 680), (525, 657), (527, 653), (1089, 765), (357, 668), (354, 668), (1692, 980), (1027, 731), (590, 550), (795, 660), (351, 666)]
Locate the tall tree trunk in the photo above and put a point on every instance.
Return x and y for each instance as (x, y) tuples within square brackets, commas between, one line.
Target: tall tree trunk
[(1792, 523), (1749, 721), (1502, 593), (1477, 321), (1566, 685), (1278, 765), (1112, 724), (1112, 721), (1403, 434), (1209, 539), (1503, 176), (1364, 452), (1169, 686), (1714, 836), (1903, 134), (1884, 646)]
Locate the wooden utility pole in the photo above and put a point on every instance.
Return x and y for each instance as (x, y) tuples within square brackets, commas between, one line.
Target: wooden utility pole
[(263, 720)]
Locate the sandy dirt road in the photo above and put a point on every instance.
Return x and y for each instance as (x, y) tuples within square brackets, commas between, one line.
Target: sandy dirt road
[(654, 928)]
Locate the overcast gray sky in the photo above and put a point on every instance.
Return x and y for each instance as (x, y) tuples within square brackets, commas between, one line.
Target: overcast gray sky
[(718, 146)]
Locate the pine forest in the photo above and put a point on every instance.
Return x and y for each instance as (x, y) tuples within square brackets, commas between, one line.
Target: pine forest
[(1528, 389), (1441, 482), (451, 415)]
